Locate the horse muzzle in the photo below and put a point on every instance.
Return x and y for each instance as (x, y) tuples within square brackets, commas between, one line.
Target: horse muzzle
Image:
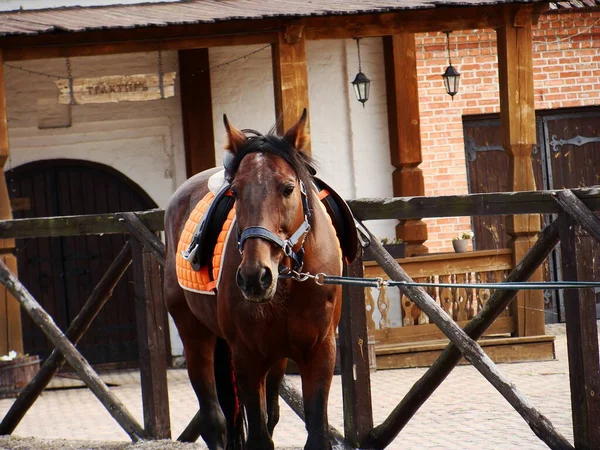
[(257, 284)]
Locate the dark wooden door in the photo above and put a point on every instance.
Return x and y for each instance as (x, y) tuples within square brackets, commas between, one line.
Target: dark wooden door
[(556, 164), (61, 272)]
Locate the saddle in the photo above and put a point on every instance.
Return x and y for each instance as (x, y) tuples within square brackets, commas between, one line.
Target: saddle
[(201, 245)]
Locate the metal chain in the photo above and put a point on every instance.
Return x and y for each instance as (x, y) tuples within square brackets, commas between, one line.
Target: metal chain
[(70, 78), (379, 282), (160, 75)]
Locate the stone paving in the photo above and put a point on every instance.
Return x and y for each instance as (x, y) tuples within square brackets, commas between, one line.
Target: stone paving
[(466, 412)]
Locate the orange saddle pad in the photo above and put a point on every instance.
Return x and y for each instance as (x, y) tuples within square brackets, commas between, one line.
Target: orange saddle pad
[(203, 281)]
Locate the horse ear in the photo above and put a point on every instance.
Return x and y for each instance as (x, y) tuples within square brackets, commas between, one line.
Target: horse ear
[(297, 135), (235, 137)]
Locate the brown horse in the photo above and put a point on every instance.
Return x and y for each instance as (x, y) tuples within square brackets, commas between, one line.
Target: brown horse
[(263, 318)]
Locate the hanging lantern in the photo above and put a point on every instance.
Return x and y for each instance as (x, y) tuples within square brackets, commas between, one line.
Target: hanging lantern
[(451, 76), (361, 83)]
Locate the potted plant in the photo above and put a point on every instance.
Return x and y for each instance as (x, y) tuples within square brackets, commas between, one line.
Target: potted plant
[(16, 371), (396, 247), (461, 242)]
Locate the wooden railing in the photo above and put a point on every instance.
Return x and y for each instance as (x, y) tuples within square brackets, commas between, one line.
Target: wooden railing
[(459, 303)]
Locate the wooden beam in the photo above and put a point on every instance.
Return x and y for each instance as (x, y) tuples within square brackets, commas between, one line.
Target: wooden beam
[(150, 311), (505, 203), (41, 318), (384, 434), (245, 32), (11, 335), (517, 114), (400, 57), (145, 236), (354, 356), (582, 342), (196, 110), (290, 81), (471, 351), (78, 327)]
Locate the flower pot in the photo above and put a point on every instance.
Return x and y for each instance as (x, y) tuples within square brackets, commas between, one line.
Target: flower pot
[(460, 245), (395, 250), (16, 374)]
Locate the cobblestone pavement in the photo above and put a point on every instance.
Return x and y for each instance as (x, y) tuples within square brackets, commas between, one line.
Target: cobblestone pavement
[(466, 412)]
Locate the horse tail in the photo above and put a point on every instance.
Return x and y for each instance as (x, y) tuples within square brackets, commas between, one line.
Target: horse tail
[(229, 399)]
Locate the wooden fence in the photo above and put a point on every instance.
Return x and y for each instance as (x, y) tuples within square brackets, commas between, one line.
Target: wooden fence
[(574, 213)]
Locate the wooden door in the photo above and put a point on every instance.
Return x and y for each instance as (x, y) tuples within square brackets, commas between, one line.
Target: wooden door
[(567, 155), (61, 272)]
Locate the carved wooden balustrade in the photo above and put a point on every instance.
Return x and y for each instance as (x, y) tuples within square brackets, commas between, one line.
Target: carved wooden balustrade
[(460, 303)]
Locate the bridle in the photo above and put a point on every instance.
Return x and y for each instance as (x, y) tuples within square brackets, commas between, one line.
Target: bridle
[(287, 245)]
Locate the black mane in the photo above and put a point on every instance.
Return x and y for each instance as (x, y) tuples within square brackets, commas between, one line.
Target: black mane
[(256, 142)]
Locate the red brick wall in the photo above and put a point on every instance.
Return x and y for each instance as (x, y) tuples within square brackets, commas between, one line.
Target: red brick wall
[(566, 52)]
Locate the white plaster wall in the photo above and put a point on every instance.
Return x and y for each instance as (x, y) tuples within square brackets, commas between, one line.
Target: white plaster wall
[(142, 140)]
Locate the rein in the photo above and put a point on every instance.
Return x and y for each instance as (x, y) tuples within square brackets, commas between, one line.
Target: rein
[(287, 245)]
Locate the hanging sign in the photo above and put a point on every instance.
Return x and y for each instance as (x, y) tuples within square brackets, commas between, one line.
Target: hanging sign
[(117, 88)]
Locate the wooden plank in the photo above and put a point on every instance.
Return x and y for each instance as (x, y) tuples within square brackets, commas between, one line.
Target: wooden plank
[(400, 58), (582, 343), (430, 331), (78, 225), (539, 202), (151, 319), (517, 116), (78, 327), (354, 357), (290, 81), (385, 433), (527, 202), (145, 236), (449, 263), (196, 110), (499, 353), (245, 32), (540, 425), (113, 405), (578, 211)]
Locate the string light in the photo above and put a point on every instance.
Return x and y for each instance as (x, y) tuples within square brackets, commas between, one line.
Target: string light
[(216, 66)]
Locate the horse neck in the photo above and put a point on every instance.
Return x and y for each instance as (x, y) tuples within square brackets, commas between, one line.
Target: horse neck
[(322, 244)]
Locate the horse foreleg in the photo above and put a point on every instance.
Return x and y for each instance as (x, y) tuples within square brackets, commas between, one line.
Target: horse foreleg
[(199, 346), (316, 372), (251, 376), (273, 383)]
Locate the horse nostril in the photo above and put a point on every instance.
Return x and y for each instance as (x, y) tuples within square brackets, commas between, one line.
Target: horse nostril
[(239, 279), (266, 278)]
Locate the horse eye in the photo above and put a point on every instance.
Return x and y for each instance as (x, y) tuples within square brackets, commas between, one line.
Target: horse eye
[(288, 191)]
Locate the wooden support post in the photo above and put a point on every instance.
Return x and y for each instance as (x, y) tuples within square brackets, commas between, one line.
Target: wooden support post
[(290, 79), (143, 234), (151, 321), (196, 110), (11, 335), (582, 343), (384, 434), (517, 114), (73, 357), (402, 89), (472, 352), (78, 327), (354, 357)]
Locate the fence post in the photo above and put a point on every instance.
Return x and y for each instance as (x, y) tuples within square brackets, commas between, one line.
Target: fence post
[(151, 320), (354, 355), (582, 343)]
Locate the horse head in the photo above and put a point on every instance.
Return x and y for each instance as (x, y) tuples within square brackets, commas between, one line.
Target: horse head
[(270, 182)]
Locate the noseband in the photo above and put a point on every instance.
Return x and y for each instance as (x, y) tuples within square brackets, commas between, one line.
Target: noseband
[(287, 245)]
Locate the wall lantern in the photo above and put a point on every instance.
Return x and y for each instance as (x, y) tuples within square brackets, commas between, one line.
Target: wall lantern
[(451, 76), (361, 83)]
